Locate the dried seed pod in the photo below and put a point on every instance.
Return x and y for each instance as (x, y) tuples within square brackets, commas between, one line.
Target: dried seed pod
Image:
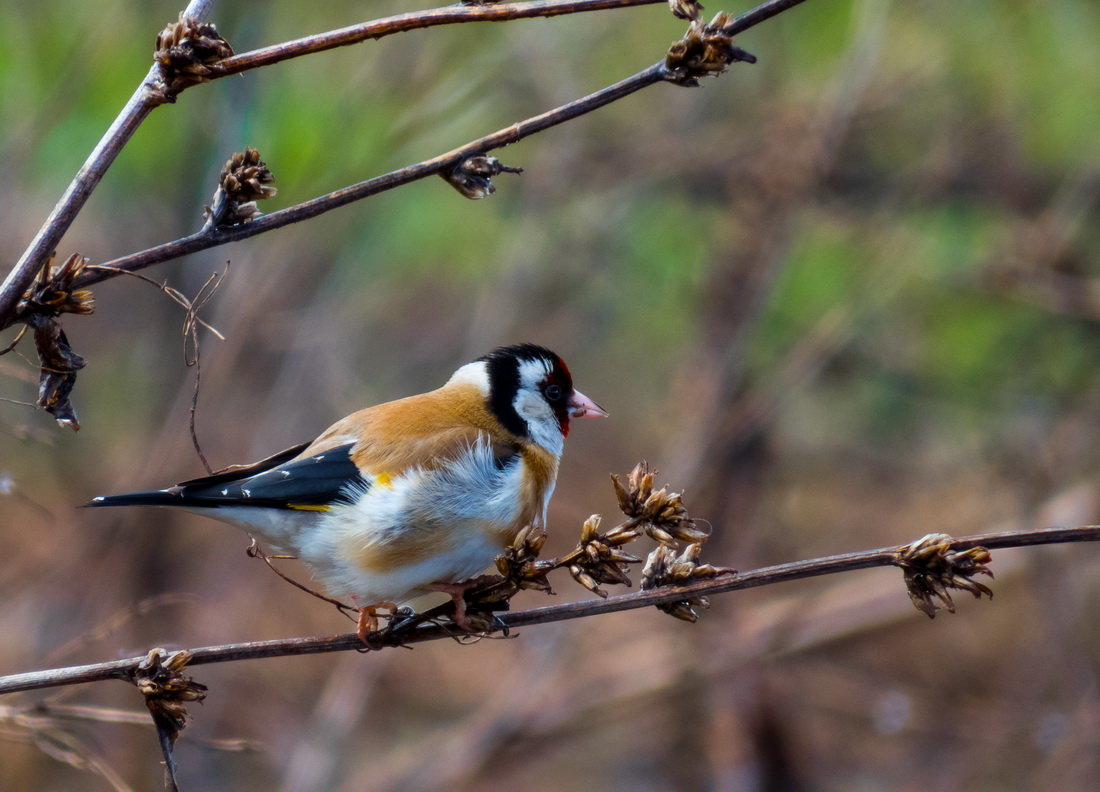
[(529, 541), (586, 580), (931, 566), (59, 364), (620, 535), (472, 177)]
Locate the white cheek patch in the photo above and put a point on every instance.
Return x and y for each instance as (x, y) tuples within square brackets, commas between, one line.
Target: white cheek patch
[(533, 408), (542, 424)]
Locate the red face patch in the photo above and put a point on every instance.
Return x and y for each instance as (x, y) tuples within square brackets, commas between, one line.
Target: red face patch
[(556, 389)]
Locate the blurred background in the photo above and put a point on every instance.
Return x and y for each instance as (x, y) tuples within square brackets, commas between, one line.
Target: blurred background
[(842, 298)]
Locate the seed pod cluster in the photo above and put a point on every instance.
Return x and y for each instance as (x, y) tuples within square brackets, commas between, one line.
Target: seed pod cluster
[(659, 513), (520, 564), (245, 179), (931, 567), (599, 559), (706, 50), (188, 52), (665, 568), (52, 295)]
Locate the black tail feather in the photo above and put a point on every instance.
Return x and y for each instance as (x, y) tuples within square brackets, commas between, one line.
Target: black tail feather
[(154, 498)]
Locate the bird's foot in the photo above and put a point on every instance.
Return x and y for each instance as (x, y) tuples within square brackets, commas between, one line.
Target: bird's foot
[(368, 622)]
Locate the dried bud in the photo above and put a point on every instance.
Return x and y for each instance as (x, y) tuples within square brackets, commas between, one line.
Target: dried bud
[(473, 176), (706, 50), (59, 364), (590, 531), (685, 9), (931, 566), (188, 52), (245, 179)]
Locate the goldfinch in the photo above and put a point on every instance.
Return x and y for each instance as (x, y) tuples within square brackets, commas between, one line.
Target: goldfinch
[(410, 496)]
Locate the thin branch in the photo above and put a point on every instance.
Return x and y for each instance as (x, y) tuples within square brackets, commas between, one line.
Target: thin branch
[(413, 20), (762, 12), (204, 240), (135, 111), (798, 570)]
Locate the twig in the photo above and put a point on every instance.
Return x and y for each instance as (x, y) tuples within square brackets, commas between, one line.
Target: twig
[(798, 570), (414, 20), (117, 135), (255, 551), (761, 13)]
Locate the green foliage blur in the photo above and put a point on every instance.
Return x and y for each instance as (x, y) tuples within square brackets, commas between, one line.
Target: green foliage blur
[(843, 297)]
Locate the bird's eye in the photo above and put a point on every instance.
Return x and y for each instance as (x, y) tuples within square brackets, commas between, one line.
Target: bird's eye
[(552, 392)]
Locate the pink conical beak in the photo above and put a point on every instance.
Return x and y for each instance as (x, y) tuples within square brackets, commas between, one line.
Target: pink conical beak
[(580, 406)]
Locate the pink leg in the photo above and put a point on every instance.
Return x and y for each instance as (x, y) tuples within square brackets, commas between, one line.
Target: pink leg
[(457, 593)]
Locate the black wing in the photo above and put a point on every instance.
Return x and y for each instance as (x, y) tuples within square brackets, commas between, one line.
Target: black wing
[(310, 483)]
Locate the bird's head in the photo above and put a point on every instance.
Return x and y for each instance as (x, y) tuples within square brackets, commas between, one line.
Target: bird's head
[(530, 391)]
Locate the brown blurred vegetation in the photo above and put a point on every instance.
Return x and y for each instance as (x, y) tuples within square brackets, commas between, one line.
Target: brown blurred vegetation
[(843, 297)]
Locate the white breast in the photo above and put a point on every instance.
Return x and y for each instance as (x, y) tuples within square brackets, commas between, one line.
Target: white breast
[(449, 509)]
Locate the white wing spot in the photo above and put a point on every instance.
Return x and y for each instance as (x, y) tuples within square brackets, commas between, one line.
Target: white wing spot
[(246, 493), (286, 473), (224, 491)]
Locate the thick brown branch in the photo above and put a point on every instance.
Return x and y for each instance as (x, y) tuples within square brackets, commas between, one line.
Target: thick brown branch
[(116, 137), (798, 570), (356, 192)]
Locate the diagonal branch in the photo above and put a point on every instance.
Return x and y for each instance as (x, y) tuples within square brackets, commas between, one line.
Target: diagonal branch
[(797, 570), (414, 20)]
